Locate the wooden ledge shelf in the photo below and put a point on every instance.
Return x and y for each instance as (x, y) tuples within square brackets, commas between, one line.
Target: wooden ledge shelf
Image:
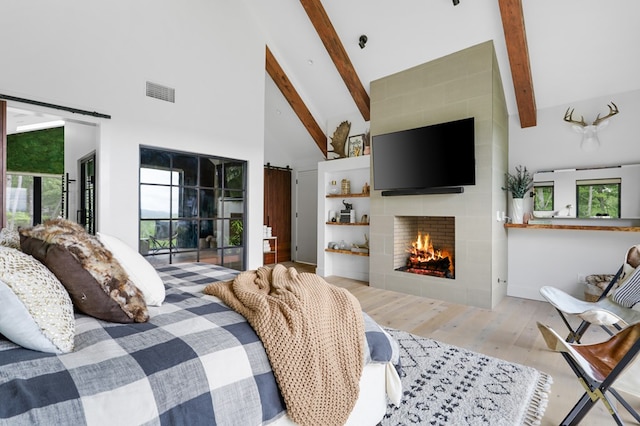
[(353, 253), (348, 223), (576, 227), (348, 195)]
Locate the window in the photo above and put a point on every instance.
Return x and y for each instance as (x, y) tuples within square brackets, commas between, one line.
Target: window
[(543, 196), (192, 208), (32, 198), (598, 198)]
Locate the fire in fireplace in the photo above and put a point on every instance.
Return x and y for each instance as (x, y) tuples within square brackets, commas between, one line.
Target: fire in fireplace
[(424, 259)]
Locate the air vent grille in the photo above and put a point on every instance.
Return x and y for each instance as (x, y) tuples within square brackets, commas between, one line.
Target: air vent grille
[(163, 93)]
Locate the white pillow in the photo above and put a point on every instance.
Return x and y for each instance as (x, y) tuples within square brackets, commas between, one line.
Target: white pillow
[(37, 312), (10, 238), (141, 273)]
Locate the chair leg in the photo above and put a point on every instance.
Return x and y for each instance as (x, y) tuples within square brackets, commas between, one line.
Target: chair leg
[(625, 404), (586, 403), (578, 411)]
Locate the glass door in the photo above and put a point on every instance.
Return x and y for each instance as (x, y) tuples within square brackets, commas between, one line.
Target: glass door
[(85, 215)]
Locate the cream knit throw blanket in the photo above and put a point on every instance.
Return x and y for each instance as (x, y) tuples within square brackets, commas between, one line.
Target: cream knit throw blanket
[(313, 333)]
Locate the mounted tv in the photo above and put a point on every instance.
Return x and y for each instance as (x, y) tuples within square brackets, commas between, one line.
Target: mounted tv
[(435, 159)]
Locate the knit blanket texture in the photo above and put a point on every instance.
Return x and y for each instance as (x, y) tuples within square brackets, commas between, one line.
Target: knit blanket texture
[(313, 333)]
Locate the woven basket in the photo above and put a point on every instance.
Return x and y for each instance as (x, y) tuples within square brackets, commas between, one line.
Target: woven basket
[(592, 292)]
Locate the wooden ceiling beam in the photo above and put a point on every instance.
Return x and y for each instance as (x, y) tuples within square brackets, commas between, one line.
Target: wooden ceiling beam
[(516, 40), (291, 95), (338, 54)]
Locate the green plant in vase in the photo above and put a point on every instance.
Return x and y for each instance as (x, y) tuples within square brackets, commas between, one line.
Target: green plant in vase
[(519, 185)]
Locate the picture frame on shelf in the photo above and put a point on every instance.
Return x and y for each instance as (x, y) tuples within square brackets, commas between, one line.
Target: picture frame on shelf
[(356, 143)]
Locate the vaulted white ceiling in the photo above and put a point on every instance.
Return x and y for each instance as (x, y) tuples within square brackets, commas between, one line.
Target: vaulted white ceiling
[(578, 49)]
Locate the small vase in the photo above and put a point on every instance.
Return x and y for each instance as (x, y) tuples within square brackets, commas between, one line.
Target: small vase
[(518, 210), (333, 188)]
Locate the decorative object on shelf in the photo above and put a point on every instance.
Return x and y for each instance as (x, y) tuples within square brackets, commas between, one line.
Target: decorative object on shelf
[(544, 213), (339, 139), (366, 188), (356, 143), (590, 141), (517, 210), (346, 186), (333, 188), (361, 248), (518, 184), (364, 219), (367, 143), (352, 216)]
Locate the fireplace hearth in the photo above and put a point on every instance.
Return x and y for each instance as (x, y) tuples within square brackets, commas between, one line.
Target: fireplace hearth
[(428, 253)]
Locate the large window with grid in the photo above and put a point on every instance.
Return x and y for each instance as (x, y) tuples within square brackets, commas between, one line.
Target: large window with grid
[(192, 208)]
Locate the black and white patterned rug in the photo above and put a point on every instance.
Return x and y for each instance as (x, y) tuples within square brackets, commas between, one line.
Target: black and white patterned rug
[(447, 385)]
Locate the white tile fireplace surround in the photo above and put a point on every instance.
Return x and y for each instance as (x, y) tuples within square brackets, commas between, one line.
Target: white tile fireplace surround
[(425, 245), (474, 252), (463, 84)]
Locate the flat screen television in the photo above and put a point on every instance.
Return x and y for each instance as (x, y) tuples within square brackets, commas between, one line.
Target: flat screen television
[(433, 159)]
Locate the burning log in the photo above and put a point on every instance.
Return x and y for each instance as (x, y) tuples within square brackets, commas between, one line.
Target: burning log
[(424, 259), (441, 264)]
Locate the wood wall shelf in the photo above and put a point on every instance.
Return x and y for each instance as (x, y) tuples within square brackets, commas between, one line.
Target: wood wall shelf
[(353, 253), (347, 195), (347, 224), (576, 227)]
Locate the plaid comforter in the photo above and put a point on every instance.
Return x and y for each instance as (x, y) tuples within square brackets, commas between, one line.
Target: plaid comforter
[(195, 362)]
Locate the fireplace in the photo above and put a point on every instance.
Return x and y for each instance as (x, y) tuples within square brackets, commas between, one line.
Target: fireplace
[(425, 245)]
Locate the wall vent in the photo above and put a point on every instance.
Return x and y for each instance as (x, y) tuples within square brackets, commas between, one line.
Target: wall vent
[(163, 93)]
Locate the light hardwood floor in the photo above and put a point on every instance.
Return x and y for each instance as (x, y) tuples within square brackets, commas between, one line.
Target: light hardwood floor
[(509, 332)]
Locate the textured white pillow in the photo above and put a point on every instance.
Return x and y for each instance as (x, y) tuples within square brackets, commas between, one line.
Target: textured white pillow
[(10, 238), (141, 273), (36, 312)]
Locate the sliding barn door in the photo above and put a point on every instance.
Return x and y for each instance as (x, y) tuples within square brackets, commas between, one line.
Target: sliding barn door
[(277, 209)]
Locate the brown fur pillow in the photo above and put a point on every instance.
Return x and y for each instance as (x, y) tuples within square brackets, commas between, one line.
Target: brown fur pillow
[(96, 282)]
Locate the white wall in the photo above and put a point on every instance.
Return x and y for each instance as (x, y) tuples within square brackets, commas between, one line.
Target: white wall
[(99, 58), (557, 257), (79, 142)]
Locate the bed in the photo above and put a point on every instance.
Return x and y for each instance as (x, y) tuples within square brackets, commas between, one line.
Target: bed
[(194, 361)]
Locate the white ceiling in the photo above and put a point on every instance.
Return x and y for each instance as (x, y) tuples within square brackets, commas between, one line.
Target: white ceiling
[(578, 49)]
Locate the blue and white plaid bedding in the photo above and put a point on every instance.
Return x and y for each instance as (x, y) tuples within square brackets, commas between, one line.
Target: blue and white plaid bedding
[(195, 362)]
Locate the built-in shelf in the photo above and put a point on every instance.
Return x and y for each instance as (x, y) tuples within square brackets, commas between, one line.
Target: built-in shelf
[(336, 262), (575, 227), (353, 253), (362, 194)]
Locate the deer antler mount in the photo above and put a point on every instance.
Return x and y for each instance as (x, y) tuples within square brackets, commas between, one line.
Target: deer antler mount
[(590, 141)]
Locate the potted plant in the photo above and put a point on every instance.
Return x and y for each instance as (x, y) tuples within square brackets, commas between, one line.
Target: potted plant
[(518, 184)]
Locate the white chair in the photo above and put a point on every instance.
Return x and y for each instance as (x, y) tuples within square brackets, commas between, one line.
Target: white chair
[(612, 311), (602, 366)]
